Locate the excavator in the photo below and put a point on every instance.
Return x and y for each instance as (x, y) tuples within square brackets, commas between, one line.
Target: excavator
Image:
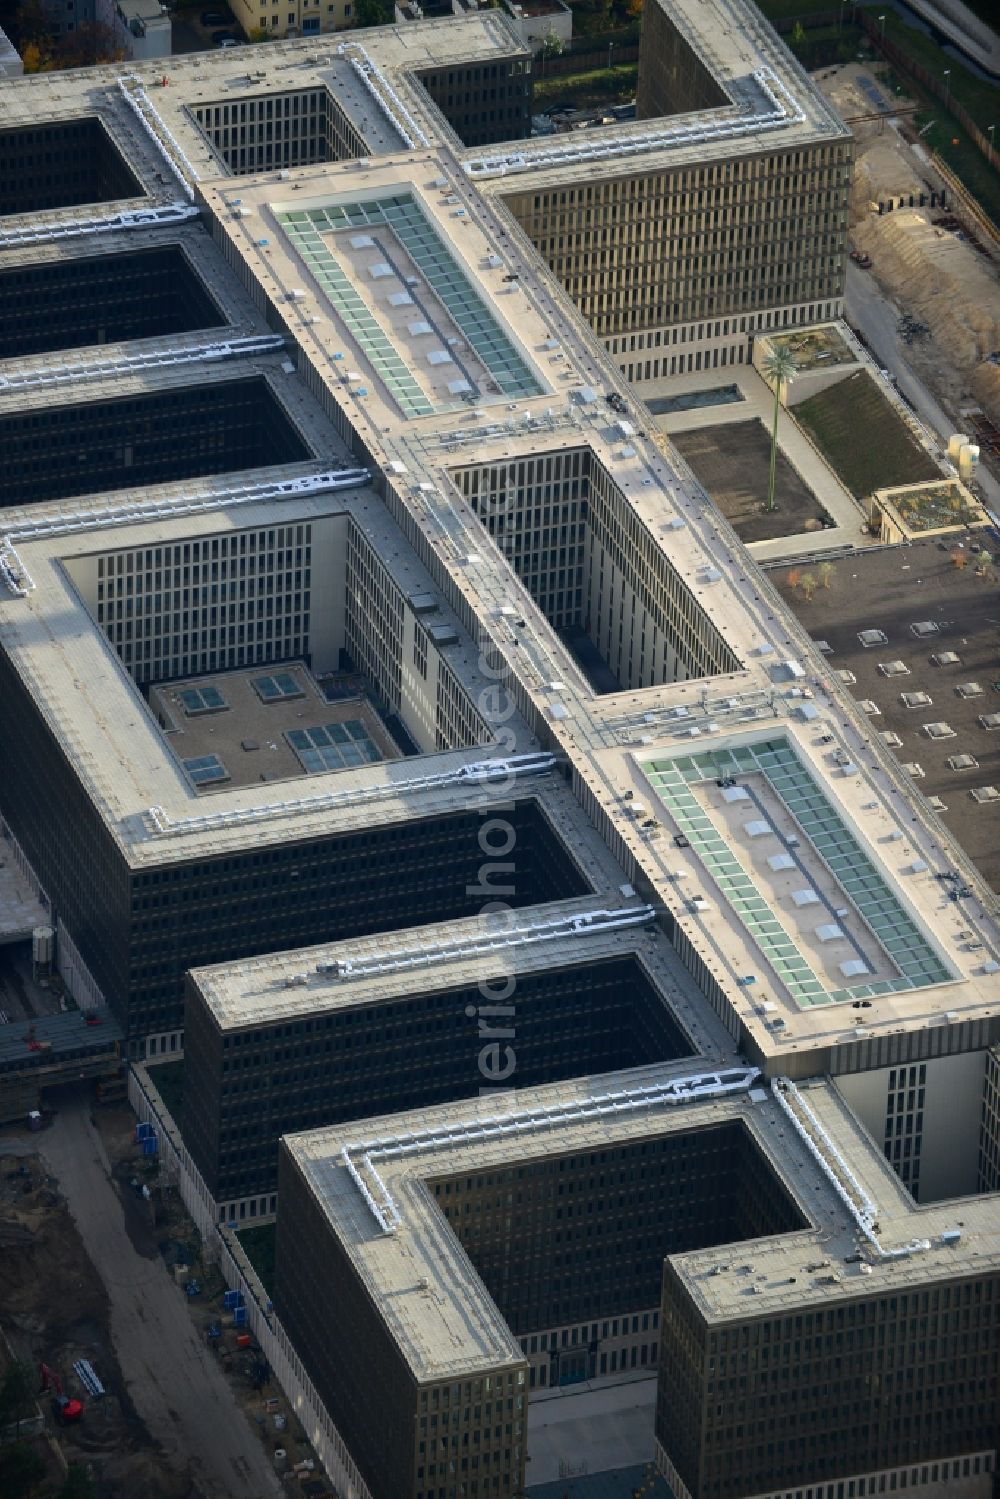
[(65, 1408)]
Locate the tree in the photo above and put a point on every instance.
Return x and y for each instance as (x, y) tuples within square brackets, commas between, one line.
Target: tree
[(552, 46), (794, 578), (371, 13), (824, 572), (778, 368), (21, 1471), (17, 1393), (808, 586), (35, 60), (92, 42), (31, 23), (77, 1484)]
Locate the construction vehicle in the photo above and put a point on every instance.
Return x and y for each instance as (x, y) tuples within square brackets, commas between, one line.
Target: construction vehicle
[(65, 1408)]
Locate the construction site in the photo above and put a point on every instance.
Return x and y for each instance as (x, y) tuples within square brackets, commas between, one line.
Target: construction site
[(927, 253), (127, 1361)]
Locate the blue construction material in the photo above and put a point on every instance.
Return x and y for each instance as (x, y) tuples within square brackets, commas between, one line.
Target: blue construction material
[(239, 1316), (143, 1131), (149, 1145), (231, 1299)]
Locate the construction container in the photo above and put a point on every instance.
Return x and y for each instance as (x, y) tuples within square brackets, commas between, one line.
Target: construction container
[(231, 1299), (239, 1316), (243, 1340), (149, 1145), (143, 1131), (280, 1459), (280, 1422)]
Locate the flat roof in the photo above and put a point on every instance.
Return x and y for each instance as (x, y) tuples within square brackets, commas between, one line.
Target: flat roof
[(49, 1038), (449, 955), (270, 723), (432, 1298), (792, 860), (120, 754), (939, 620)]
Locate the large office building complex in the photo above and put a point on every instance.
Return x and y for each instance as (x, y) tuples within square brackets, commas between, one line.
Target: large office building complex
[(391, 728)]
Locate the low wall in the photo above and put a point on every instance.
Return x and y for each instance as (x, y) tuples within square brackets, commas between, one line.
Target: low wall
[(220, 1246)]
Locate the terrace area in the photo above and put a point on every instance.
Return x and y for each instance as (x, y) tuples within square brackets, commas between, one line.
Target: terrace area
[(237, 728)]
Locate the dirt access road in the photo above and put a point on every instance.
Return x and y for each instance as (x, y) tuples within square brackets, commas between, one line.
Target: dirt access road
[(178, 1388)]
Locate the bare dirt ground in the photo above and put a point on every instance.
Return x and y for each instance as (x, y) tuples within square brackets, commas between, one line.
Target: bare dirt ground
[(55, 1309), (932, 274), (89, 1281)]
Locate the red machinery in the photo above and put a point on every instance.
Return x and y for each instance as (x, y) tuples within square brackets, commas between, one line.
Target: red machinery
[(64, 1407)]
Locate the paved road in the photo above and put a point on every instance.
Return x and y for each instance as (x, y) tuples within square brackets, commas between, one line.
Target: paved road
[(178, 1389)]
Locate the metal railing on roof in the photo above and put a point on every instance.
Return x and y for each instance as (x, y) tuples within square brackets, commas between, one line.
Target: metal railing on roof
[(522, 934), (384, 94), (21, 583), (692, 1088), (785, 110), (68, 228), (133, 91), (128, 364), (837, 1172), (479, 772)]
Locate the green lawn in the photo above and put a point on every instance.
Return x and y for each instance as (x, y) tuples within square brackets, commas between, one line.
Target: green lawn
[(862, 438), (980, 98), (587, 90), (258, 1246)]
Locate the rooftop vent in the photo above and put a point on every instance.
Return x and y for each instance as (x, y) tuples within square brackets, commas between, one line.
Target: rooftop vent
[(989, 720), (985, 794), (924, 627), (847, 677), (946, 658), (962, 762), (939, 730), (915, 699), (894, 668), (891, 739), (915, 770), (868, 638), (969, 689)]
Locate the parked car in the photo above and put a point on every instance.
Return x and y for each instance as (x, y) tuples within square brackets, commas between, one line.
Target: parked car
[(216, 18), (224, 38)]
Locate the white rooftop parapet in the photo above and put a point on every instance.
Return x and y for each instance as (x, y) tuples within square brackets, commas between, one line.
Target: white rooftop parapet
[(165, 826), (384, 94), (17, 578), (837, 1172), (522, 934), (160, 217), (128, 364), (133, 91), (519, 1122), (785, 110)]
